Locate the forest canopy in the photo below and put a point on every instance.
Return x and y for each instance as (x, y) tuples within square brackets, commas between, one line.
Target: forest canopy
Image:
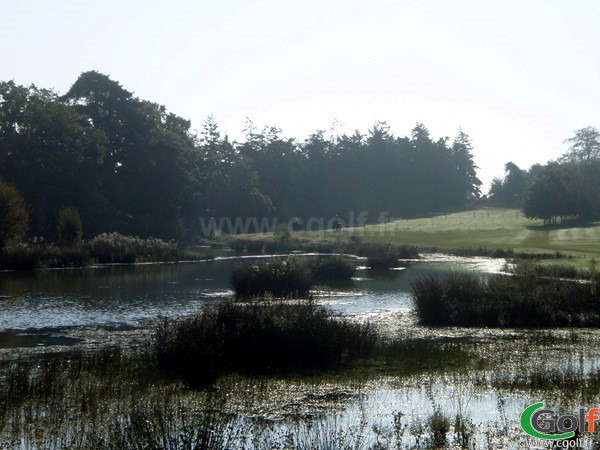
[(128, 165)]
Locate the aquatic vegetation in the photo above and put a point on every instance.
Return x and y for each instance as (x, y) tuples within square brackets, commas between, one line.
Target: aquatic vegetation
[(439, 426), (279, 277), (385, 258), (109, 398), (104, 399), (264, 337), (105, 248), (27, 256), (525, 299), (332, 268), (562, 271), (118, 248)]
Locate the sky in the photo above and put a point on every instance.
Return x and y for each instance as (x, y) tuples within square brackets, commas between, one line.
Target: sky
[(518, 76)]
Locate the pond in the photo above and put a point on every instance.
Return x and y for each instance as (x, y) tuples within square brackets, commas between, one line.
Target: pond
[(89, 306), (55, 310)]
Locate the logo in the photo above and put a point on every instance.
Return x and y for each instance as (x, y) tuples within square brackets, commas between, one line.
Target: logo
[(546, 424)]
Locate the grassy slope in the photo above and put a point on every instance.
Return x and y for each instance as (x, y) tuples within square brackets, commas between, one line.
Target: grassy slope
[(489, 228)]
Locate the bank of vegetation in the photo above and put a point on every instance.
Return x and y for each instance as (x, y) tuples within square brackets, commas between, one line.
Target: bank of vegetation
[(110, 248), (530, 297)]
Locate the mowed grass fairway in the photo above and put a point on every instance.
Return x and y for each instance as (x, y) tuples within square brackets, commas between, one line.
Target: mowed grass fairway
[(489, 228)]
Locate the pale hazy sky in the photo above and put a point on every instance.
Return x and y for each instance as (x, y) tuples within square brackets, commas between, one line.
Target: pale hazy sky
[(518, 76)]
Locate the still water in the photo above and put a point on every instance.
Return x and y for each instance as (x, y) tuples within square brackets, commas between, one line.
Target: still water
[(88, 306)]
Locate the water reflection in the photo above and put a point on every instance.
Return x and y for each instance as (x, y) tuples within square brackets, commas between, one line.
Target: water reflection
[(134, 296)]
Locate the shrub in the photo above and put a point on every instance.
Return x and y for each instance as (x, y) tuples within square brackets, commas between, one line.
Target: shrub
[(262, 337), (332, 268), (118, 248), (279, 277), (70, 228)]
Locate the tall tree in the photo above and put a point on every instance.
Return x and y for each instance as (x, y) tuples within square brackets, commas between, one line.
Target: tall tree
[(149, 156), (583, 146), (50, 154), (468, 185), (228, 181)]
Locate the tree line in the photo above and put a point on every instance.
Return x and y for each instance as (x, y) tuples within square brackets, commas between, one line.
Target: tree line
[(567, 189), (128, 165)]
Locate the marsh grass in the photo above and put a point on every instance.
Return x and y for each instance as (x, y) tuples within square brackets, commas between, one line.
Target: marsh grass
[(259, 337), (525, 299), (119, 248), (383, 258), (25, 256), (562, 271), (279, 277), (336, 268), (107, 399), (417, 356), (114, 399), (545, 378), (105, 248), (285, 276)]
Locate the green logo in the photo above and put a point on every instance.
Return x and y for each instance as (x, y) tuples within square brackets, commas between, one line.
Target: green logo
[(549, 423)]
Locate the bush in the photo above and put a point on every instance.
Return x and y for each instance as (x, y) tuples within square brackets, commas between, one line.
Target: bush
[(279, 277), (263, 337), (118, 248), (332, 268)]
